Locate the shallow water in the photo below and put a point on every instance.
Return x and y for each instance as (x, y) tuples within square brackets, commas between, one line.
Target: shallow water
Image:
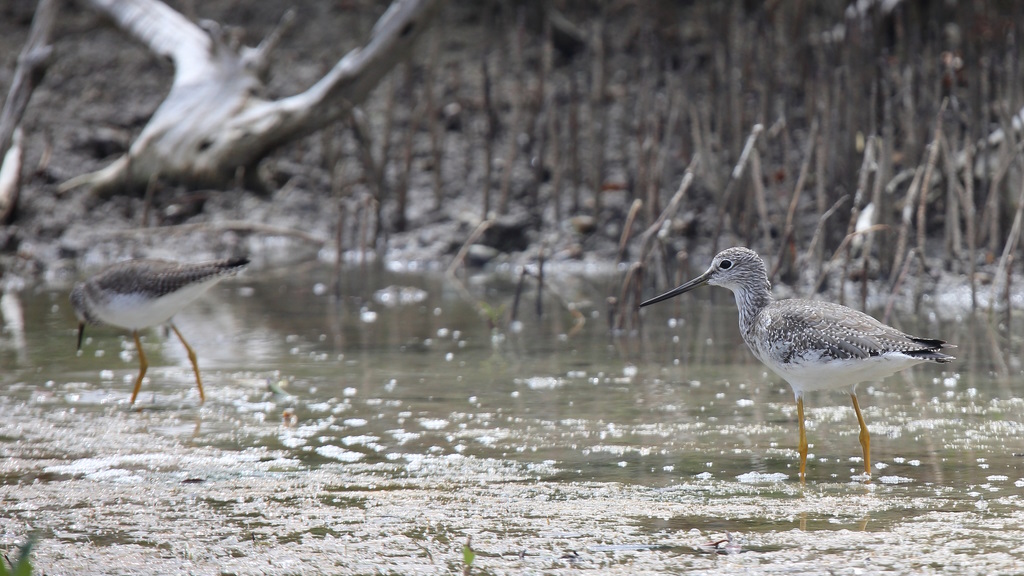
[(361, 435)]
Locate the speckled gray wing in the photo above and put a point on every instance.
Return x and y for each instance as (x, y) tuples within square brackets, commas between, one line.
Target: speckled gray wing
[(157, 278), (797, 328)]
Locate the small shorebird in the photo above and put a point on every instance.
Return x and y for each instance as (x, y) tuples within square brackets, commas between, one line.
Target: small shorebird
[(137, 294), (812, 345)]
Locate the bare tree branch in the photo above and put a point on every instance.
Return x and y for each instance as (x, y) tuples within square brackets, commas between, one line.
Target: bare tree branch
[(32, 64), (212, 124)]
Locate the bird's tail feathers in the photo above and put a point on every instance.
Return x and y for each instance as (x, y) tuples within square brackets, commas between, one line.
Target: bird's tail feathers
[(930, 350)]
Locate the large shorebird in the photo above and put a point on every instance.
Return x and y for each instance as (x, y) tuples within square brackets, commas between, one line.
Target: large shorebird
[(812, 345)]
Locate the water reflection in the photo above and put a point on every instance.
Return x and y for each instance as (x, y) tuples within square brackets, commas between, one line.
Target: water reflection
[(437, 389), (684, 397)]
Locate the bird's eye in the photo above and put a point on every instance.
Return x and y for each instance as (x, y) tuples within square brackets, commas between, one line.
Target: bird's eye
[(725, 264)]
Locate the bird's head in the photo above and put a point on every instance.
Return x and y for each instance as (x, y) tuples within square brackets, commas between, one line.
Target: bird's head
[(737, 269)]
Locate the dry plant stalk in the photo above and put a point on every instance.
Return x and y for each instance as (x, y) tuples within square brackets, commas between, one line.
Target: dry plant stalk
[(933, 155), (759, 198), (812, 246), (906, 219), (843, 247), (627, 228), (557, 170), (539, 300), (970, 215), (540, 283), (574, 144), (787, 229), (953, 234), (416, 112), (634, 276), (620, 311), (514, 314), (491, 131), (821, 155), (1005, 260), (460, 257), (669, 212), (990, 218), (897, 285), (433, 117), (869, 240), (737, 173), (1007, 294), (516, 126), (867, 167), (598, 116)]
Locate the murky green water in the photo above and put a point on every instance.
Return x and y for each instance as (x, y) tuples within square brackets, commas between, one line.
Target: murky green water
[(405, 428)]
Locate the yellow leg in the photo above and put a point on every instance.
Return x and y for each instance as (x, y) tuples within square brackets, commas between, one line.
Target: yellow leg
[(195, 365), (143, 365), (803, 437), (865, 438)]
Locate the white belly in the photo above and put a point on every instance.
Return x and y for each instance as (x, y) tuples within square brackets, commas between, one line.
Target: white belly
[(135, 311), (810, 374)]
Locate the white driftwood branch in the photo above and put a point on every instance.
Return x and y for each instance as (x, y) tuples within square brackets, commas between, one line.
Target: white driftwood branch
[(10, 177), (212, 124), (165, 32), (32, 64)]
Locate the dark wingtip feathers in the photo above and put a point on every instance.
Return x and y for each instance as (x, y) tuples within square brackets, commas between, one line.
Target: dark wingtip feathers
[(236, 262), (932, 343), (930, 350)]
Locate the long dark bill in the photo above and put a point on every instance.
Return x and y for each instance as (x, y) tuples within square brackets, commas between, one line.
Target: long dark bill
[(698, 281), (81, 330)]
